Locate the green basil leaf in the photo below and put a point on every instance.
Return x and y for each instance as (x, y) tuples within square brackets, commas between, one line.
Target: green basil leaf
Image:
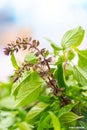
[(55, 121), (73, 37), (30, 89), (71, 55), (65, 109), (82, 59), (80, 75), (18, 84), (69, 117), (31, 58), (25, 126), (36, 110), (59, 75)]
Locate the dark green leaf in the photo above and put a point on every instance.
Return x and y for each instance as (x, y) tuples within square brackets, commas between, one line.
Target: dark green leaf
[(14, 62), (73, 37), (59, 75)]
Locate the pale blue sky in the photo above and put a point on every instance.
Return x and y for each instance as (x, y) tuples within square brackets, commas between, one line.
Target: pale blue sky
[(46, 17)]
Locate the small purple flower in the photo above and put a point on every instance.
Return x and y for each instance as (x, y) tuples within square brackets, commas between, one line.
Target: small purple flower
[(6, 51)]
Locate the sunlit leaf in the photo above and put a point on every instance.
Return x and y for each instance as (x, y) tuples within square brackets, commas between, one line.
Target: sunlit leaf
[(6, 101), (73, 37), (30, 90), (18, 84), (85, 93), (25, 126)]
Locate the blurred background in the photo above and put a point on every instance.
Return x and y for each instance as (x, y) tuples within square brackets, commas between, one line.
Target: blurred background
[(39, 19)]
